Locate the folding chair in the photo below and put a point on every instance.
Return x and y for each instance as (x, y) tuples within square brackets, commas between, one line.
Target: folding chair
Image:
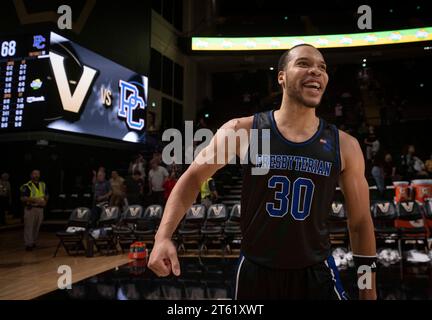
[(76, 230), (189, 231), (125, 230), (386, 234), (232, 230), (410, 224), (147, 225), (337, 224), (213, 228), (384, 215), (103, 237)]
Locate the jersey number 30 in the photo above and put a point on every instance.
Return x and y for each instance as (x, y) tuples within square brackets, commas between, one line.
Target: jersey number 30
[(301, 197)]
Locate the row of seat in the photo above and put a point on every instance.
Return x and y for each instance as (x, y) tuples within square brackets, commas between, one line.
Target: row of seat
[(396, 224), (407, 210), (200, 225), (405, 217), (219, 227)]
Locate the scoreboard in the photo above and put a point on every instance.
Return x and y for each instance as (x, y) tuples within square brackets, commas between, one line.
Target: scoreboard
[(48, 82), (23, 61)]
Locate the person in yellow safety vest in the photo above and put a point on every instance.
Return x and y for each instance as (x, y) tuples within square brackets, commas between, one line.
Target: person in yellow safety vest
[(34, 195), (208, 192)]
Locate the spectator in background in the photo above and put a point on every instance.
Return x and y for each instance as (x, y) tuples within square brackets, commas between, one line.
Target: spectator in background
[(389, 168), (118, 190), (95, 173), (412, 166), (5, 197), (157, 176), (428, 166), (175, 169), (372, 144), (138, 164), (419, 168), (169, 184), (134, 188), (208, 192), (102, 193)]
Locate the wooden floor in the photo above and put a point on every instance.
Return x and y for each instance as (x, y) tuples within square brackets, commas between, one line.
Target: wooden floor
[(27, 275)]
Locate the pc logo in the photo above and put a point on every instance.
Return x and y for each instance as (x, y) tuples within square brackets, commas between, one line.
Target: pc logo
[(39, 42), (129, 102)]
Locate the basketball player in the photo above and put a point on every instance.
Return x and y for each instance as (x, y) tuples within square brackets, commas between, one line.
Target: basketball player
[(285, 250)]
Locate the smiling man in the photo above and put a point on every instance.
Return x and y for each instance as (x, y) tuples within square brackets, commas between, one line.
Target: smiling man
[(285, 250)]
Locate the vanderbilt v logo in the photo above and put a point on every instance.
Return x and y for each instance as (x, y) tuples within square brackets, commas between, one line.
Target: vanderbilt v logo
[(408, 206), (337, 207), (154, 211), (217, 210), (71, 102), (134, 211), (384, 207), (195, 211)]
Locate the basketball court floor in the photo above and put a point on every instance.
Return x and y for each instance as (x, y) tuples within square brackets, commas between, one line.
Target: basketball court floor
[(34, 275)]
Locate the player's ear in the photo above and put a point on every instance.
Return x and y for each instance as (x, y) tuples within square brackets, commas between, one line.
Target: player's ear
[(281, 79)]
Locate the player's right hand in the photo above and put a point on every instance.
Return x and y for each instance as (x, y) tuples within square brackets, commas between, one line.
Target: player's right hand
[(163, 258)]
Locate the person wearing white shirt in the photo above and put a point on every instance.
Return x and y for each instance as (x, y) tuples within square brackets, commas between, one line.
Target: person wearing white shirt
[(156, 177)]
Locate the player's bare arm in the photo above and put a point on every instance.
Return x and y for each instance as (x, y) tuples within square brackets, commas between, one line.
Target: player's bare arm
[(356, 192), (163, 258)]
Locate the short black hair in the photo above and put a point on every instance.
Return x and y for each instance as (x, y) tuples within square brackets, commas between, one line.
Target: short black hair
[(284, 59)]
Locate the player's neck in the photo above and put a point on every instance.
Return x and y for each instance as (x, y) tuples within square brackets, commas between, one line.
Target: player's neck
[(294, 115)]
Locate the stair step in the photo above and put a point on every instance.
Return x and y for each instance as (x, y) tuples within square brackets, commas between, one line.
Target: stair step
[(230, 202), (232, 196)]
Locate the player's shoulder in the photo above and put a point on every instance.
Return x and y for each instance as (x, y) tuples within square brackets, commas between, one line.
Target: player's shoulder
[(239, 123), (350, 150), (346, 140)]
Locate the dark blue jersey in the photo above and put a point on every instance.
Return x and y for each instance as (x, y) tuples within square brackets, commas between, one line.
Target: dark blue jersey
[(284, 212)]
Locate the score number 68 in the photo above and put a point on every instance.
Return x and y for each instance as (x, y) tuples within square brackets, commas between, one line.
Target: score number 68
[(8, 48)]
